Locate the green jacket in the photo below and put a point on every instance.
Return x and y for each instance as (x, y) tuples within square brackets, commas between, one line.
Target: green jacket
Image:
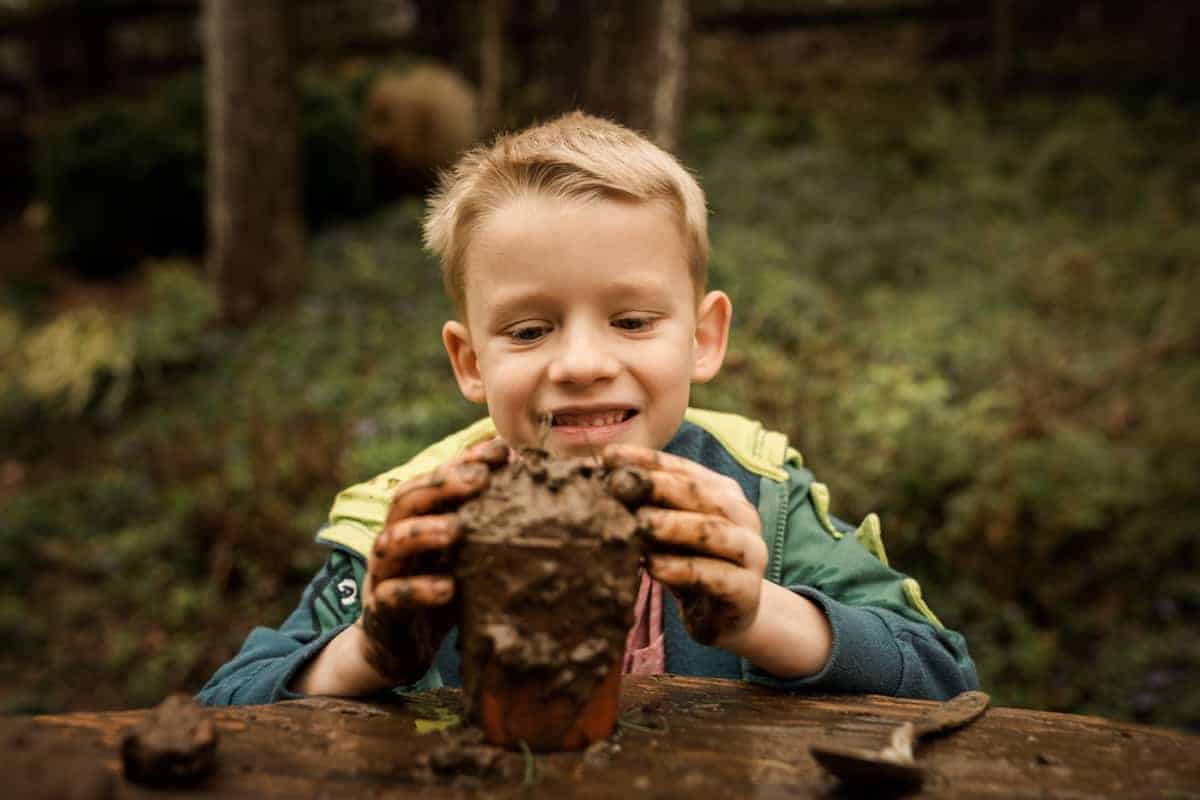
[(886, 640)]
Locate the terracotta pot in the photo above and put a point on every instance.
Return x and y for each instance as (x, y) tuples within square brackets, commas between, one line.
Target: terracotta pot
[(542, 634), (511, 714), (547, 578)]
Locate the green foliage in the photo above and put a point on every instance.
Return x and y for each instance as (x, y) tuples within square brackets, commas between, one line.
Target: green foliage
[(89, 359), (242, 454), (978, 331), (335, 171), (122, 182), (126, 181), (79, 355), (65, 512), (181, 307)]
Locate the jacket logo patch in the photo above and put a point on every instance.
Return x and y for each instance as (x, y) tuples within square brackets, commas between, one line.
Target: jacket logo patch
[(347, 591)]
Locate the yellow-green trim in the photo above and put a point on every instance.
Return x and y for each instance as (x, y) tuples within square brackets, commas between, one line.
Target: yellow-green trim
[(350, 535), (359, 512), (912, 590), (794, 458), (759, 450), (820, 496), (870, 536)]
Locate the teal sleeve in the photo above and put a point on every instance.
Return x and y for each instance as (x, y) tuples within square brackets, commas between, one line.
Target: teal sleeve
[(885, 640), (270, 658)]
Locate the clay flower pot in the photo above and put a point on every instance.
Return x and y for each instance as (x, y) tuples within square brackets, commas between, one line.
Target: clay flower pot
[(547, 577)]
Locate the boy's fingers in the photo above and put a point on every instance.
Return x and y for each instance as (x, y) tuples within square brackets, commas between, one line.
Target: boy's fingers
[(453, 481), (491, 451), (712, 577), (716, 495), (422, 591), (626, 455), (706, 534), (401, 540), (686, 485)]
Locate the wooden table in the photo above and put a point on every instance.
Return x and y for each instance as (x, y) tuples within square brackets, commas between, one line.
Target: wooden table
[(679, 737)]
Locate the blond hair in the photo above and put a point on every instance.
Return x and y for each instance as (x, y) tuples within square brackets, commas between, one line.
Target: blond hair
[(575, 156)]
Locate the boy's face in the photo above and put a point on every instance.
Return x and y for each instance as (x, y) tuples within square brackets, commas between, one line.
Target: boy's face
[(583, 313)]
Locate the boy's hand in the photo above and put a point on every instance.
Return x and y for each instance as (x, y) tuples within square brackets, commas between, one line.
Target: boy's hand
[(706, 542), (408, 589)]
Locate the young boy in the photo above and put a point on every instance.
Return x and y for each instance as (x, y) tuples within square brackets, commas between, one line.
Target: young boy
[(576, 254)]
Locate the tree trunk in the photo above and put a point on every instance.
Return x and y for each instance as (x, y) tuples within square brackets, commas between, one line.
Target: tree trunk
[(637, 61), (667, 101), (491, 62), (1003, 43), (624, 59), (256, 237)]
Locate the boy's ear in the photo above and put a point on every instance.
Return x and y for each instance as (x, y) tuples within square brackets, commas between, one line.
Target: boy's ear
[(712, 335), (464, 360)]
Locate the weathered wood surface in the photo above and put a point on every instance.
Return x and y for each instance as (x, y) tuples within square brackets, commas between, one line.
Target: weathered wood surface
[(680, 737)]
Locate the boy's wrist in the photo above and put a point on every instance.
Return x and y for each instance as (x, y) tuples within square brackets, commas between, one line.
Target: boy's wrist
[(340, 669), (790, 636)]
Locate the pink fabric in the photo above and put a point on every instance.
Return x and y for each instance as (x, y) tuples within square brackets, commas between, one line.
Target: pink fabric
[(645, 647)]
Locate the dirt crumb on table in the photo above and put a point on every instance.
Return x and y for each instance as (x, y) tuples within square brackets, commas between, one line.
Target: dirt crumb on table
[(175, 745), (600, 754), (461, 758)]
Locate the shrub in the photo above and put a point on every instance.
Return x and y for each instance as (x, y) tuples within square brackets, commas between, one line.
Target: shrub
[(335, 172), (122, 182), (90, 358), (126, 181), (976, 326)]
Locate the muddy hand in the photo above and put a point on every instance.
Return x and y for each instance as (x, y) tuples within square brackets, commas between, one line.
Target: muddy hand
[(407, 592), (705, 539)]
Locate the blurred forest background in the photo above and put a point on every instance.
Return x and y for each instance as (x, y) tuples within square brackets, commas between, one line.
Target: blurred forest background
[(962, 239)]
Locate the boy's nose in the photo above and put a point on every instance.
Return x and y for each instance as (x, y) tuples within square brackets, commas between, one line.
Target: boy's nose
[(582, 360)]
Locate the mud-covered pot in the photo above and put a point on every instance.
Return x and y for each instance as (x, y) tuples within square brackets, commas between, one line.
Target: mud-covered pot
[(547, 579)]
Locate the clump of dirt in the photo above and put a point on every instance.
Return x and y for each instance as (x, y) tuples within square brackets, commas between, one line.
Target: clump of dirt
[(548, 580), (175, 745), (462, 758)]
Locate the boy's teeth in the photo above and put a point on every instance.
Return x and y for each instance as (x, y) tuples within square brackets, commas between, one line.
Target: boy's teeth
[(589, 420)]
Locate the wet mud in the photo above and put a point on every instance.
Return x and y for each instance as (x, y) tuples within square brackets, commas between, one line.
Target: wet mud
[(705, 616), (548, 578), (174, 746)]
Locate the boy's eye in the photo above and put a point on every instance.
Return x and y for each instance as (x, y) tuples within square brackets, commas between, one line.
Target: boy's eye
[(633, 323), (527, 333)]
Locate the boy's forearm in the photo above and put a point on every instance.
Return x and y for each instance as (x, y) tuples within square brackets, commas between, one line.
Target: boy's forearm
[(340, 669), (790, 636)]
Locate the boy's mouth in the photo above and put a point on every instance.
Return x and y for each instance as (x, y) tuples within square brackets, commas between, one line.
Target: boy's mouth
[(591, 419)]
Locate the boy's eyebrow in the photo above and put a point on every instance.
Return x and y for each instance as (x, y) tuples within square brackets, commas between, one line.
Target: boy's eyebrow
[(655, 290), (506, 306)]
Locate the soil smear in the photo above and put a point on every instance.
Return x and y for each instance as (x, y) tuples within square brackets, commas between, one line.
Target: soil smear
[(175, 745), (548, 576)]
